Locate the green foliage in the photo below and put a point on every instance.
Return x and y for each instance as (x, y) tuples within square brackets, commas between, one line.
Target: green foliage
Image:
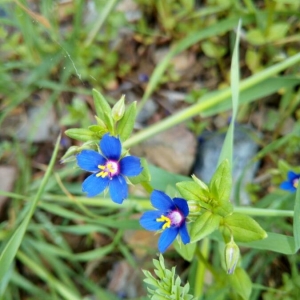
[(242, 227), (241, 283), (64, 61), (126, 123), (167, 285)]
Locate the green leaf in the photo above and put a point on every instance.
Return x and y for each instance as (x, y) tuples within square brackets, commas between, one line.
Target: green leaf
[(277, 31), (296, 223), (101, 105), (186, 251), (98, 130), (144, 176), (204, 225), (221, 182), (274, 242), (243, 228), (161, 179), (212, 50), (227, 149), (190, 190), (224, 208), (241, 283), (255, 37), (126, 124), (108, 121), (81, 134)]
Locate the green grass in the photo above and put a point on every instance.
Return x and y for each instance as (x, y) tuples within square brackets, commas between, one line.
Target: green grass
[(72, 56)]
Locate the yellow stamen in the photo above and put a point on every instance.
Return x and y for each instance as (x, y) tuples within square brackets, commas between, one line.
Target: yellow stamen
[(164, 219), (110, 167), (102, 174), (101, 167)]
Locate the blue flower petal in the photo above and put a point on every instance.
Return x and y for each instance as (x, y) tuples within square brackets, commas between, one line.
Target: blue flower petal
[(288, 186), (161, 201), (182, 205), (130, 166), (148, 220), (118, 189), (89, 160), (184, 233), (291, 175), (94, 185), (167, 237), (110, 147)]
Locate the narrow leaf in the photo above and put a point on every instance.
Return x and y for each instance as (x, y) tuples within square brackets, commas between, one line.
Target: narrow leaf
[(227, 149), (296, 224), (126, 124), (221, 182), (11, 248), (101, 105), (81, 134)]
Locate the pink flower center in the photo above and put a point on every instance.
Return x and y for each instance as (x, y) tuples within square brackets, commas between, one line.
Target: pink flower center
[(110, 169), (176, 218)]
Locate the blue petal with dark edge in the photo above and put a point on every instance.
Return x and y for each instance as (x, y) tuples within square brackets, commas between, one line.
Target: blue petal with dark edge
[(93, 185), (148, 220), (288, 186), (89, 160), (166, 239), (110, 147), (184, 233), (161, 201), (182, 205), (130, 166), (118, 189), (291, 175)]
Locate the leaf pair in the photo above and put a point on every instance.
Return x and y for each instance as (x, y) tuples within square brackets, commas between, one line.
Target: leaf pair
[(117, 120), (216, 211)]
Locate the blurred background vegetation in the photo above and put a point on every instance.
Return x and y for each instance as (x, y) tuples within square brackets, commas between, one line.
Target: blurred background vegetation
[(52, 53)]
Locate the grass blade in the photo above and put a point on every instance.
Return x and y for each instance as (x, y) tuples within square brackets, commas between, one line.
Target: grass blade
[(11, 248), (227, 149)]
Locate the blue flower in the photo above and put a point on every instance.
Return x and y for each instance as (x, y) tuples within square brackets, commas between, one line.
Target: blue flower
[(292, 182), (109, 169), (170, 217)]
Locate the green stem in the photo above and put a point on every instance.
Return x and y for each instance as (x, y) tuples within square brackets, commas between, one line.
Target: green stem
[(144, 204), (202, 264), (147, 186), (264, 212), (209, 102)]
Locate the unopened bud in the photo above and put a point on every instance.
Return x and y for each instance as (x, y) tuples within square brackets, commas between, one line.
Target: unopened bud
[(232, 255), (119, 109)]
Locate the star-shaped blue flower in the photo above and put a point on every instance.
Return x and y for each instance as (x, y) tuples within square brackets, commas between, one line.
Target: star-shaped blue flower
[(292, 182), (109, 169), (170, 217)]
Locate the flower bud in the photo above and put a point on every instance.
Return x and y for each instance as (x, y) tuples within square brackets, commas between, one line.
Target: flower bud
[(232, 254), (119, 109)]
